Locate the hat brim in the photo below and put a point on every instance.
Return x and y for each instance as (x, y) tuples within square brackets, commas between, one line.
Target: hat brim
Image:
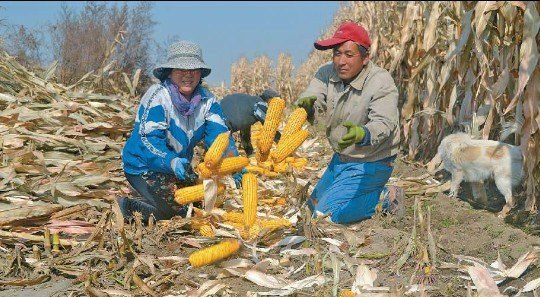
[(160, 71), (328, 43)]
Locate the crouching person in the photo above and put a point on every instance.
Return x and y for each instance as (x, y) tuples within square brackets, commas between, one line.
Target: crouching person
[(243, 110), (362, 125), (173, 117)]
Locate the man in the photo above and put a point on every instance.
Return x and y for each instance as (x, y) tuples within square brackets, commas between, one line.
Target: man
[(362, 126), (241, 111)]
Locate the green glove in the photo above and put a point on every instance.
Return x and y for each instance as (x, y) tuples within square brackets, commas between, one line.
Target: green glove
[(306, 103), (354, 135)]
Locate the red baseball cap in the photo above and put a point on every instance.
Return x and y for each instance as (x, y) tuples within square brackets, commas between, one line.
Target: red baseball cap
[(346, 31)]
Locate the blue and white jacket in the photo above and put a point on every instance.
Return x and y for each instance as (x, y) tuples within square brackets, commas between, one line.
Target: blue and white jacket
[(161, 133)]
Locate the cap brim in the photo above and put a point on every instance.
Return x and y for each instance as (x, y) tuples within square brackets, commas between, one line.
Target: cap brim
[(328, 43)]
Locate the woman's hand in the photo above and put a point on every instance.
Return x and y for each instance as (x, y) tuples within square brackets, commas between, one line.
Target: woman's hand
[(180, 167)]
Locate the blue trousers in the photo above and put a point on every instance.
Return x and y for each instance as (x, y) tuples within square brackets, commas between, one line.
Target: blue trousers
[(350, 191)]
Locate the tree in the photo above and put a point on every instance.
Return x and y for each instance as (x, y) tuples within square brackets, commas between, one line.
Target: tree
[(99, 35)]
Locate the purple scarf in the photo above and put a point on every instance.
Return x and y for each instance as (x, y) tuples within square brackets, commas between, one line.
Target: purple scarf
[(184, 106)]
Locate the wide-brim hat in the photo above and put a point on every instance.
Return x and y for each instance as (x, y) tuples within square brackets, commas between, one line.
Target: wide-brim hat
[(182, 55), (346, 31)]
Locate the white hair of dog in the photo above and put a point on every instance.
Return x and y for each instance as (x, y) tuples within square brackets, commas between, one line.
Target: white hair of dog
[(475, 160)]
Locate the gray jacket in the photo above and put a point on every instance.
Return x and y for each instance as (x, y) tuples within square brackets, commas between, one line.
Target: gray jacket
[(369, 100)]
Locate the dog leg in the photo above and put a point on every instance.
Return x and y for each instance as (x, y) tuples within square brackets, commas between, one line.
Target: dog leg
[(504, 184), (479, 192), (457, 177)]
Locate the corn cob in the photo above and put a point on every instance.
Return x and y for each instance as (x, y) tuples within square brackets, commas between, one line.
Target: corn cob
[(228, 165), (346, 292), (276, 106), (260, 156), (255, 134), (281, 201), (287, 146), (255, 169), (214, 253), (274, 223), (194, 193), (295, 122), (233, 216), (281, 167), (207, 230), (299, 163), (197, 222), (216, 150), (249, 197), (203, 171), (251, 232)]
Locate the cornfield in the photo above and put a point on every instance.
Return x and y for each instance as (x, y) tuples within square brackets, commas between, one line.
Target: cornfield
[(458, 65)]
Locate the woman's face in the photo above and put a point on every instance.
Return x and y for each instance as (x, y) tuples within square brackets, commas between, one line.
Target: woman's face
[(186, 80)]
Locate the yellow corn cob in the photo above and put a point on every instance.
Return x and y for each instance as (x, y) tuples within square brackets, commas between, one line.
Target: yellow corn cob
[(274, 223), (203, 171), (347, 292), (287, 146), (206, 230), (266, 164), (216, 150), (299, 163), (255, 169), (251, 232), (276, 106), (214, 253), (228, 165), (295, 122), (281, 201), (197, 212), (233, 216), (259, 156), (194, 193), (249, 197), (281, 167), (255, 134), (197, 223)]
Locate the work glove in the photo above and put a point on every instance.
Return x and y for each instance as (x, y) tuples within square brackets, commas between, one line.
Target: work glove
[(354, 135), (238, 178), (306, 103), (180, 167)]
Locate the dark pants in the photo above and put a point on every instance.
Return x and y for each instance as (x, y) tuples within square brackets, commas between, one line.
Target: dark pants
[(157, 197)]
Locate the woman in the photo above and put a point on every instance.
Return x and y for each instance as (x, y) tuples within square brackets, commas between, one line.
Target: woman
[(173, 117)]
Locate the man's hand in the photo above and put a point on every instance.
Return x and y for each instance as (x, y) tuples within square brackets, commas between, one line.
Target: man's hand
[(354, 135), (306, 103), (180, 167)]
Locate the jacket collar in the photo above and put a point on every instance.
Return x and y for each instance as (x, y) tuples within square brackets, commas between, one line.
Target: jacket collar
[(359, 81)]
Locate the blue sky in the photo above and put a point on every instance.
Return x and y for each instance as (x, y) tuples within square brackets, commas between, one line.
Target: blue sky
[(226, 31)]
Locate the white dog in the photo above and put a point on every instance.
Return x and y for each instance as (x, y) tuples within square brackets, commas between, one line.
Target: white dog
[(477, 160)]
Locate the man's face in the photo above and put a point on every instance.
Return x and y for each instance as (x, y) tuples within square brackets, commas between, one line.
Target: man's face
[(347, 60)]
